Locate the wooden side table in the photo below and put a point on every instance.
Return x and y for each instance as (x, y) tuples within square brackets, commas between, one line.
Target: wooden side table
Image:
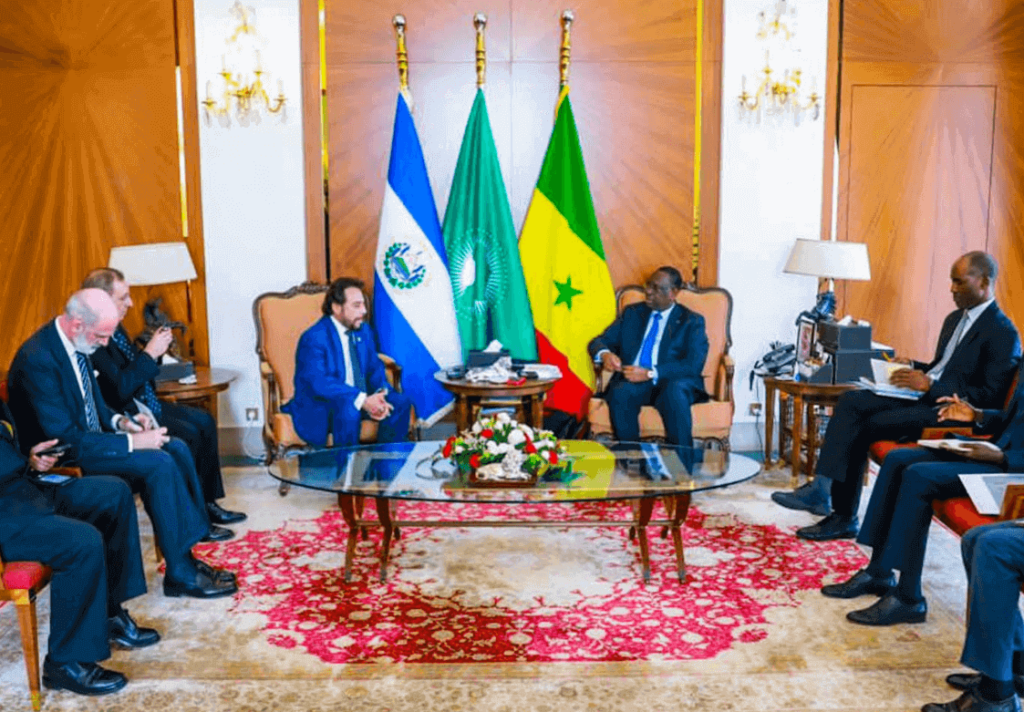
[(202, 393), (470, 395), (804, 396)]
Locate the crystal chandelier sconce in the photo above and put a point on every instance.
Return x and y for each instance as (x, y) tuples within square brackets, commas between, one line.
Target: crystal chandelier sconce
[(778, 97), (774, 97), (243, 78)]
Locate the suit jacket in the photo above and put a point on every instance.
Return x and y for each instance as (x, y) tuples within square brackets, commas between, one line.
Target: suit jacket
[(1006, 427), (47, 403), (982, 364), (681, 354), (321, 394), (21, 500), (122, 377)]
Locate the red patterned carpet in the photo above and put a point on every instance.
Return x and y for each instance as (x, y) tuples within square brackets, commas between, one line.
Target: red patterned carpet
[(517, 595)]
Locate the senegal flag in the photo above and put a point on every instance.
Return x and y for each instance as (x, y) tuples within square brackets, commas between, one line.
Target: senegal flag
[(480, 238), (571, 292)]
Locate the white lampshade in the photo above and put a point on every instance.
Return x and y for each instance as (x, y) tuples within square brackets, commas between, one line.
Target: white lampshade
[(154, 263), (828, 259)]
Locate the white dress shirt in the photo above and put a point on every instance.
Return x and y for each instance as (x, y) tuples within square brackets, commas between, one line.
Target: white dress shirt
[(343, 335)]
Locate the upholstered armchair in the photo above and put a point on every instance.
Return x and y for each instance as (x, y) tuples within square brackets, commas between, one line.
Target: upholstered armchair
[(280, 318), (712, 421)]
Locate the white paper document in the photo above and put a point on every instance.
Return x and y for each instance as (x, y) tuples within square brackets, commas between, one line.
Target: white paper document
[(987, 490), (954, 444), (882, 370), (887, 390)]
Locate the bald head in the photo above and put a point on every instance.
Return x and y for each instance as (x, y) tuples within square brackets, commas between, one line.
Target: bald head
[(89, 319)]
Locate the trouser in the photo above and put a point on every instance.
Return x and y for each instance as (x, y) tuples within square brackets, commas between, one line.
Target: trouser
[(672, 400), (197, 429)]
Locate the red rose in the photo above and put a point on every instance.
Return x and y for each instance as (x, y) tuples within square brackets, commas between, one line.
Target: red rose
[(553, 457), (487, 433), (474, 460), (449, 444), (529, 448)]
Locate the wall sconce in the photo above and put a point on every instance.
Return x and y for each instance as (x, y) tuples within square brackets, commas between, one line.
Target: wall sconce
[(244, 93)]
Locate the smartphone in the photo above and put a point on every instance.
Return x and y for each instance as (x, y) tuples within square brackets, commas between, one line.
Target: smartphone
[(55, 450), (54, 479)]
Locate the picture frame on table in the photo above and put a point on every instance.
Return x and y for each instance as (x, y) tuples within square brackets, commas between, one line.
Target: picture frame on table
[(805, 338)]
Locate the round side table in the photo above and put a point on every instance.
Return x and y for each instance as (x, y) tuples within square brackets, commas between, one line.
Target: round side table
[(202, 393), (469, 395)]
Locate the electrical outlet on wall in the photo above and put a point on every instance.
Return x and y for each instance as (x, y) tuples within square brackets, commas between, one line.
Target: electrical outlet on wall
[(755, 408), (252, 415)]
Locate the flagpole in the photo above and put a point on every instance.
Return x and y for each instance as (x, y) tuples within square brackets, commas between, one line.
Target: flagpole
[(563, 57), (402, 55), (480, 23)]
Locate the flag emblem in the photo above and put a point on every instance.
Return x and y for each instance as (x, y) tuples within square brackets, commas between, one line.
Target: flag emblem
[(476, 246), (403, 266)]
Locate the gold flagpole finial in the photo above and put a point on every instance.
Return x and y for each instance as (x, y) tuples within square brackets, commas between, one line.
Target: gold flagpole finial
[(401, 53), (563, 57), (480, 22)]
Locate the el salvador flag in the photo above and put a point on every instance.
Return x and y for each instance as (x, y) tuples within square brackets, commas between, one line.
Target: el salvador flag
[(413, 309)]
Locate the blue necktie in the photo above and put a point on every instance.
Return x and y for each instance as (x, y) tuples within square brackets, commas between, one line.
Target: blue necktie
[(91, 418), (358, 379), (148, 395), (647, 350)]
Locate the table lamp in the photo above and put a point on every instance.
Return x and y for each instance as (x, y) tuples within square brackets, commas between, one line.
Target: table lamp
[(831, 260), (157, 263)]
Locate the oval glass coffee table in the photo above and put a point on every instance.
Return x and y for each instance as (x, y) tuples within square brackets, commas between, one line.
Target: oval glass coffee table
[(639, 473)]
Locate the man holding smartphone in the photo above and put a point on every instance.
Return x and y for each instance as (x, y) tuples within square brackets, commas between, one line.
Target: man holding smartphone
[(125, 375), (87, 532)]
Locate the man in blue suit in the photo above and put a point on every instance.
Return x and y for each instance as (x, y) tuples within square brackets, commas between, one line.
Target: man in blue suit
[(339, 378), (993, 556), (86, 531), (976, 357), (900, 510), (657, 352), (53, 394)]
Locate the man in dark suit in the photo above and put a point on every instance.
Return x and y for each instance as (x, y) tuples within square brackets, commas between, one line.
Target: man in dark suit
[(900, 510), (340, 379), (977, 354), (54, 395), (657, 351), (993, 556), (126, 376), (86, 531)]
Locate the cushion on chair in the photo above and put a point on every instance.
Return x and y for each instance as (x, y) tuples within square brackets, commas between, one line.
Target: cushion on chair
[(24, 574), (285, 435), (710, 420), (959, 514)]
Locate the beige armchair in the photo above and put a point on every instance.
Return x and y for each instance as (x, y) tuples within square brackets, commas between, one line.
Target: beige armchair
[(281, 318), (712, 421)]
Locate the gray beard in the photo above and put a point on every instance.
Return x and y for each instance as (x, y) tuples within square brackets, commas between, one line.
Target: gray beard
[(82, 346)]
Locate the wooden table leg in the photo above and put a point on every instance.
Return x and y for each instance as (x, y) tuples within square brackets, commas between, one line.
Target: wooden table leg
[(347, 504), (384, 515), (769, 425), (642, 510), (798, 437), (682, 506), (812, 439), (537, 411), (461, 412)]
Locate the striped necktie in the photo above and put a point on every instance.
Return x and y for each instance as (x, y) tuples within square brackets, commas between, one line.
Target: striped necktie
[(91, 416), (148, 395)]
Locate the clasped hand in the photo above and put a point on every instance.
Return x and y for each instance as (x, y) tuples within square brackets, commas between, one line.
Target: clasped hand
[(377, 405), (955, 409), (143, 432), (633, 374)]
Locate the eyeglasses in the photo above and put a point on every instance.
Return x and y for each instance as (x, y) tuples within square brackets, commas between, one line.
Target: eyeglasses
[(652, 287)]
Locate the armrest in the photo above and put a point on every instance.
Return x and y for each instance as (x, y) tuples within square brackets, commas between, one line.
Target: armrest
[(271, 402), (1013, 503), (393, 372), (727, 371), (67, 471), (938, 433), (601, 378)]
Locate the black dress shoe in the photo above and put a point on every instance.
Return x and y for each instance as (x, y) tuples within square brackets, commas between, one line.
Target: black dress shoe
[(218, 534), (813, 497), (890, 610), (860, 584), (972, 701), (219, 515), (126, 633), (215, 574), (967, 680), (81, 678), (200, 586), (834, 526)]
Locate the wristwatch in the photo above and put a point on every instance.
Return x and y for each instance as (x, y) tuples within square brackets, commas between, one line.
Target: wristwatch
[(650, 374)]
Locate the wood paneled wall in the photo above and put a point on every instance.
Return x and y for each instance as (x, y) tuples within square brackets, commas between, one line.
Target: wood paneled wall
[(89, 149), (931, 157), (633, 84)]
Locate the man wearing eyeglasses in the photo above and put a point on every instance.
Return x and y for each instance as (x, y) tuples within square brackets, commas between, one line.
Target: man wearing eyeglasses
[(656, 351)]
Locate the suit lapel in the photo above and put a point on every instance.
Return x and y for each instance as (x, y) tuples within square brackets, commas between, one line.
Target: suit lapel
[(671, 324), (337, 354), (980, 324)]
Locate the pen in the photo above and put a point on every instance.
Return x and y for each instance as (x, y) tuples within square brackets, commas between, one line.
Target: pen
[(886, 356)]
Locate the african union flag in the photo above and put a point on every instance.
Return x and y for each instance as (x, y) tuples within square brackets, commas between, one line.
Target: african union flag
[(567, 278)]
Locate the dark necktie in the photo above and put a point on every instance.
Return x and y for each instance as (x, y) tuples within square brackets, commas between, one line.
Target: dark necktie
[(148, 395), (91, 417), (647, 350), (358, 379)]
